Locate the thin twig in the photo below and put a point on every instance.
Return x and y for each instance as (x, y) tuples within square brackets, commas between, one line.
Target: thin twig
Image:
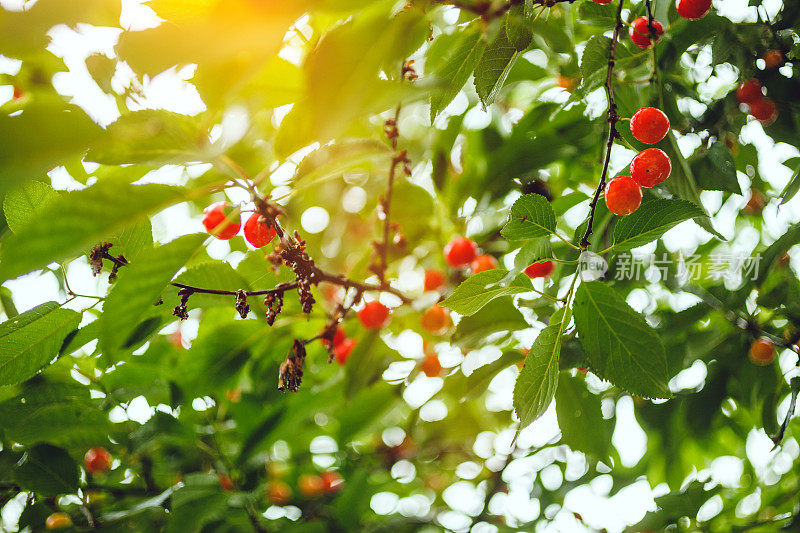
[(612, 118)]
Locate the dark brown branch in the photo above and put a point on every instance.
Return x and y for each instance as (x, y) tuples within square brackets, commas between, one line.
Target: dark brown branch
[(612, 118)]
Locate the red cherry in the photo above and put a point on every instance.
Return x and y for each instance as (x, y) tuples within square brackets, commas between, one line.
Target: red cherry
[(762, 351), (542, 269), (623, 195), (342, 350), (582, 370), (603, 2), (331, 481), (640, 32), (649, 125), (278, 493), (436, 320), (460, 252), (749, 91), (310, 485), (431, 366), (97, 460), (764, 110), (215, 216), (338, 337), (18, 92), (374, 315), (258, 233), (693, 9), (773, 59), (225, 482), (58, 521), (482, 263), (650, 167), (434, 280)]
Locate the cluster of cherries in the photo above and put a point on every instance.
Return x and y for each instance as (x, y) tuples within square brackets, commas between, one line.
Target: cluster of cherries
[(311, 486), (751, 94), (97, 461), (221, 221), (639, 31), (648, 168)]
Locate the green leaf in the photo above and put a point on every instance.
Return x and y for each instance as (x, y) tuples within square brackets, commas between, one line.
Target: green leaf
[(580, 418), (715, 170), (153, 137), (480, 289), (333, 159), (537, 381), (531, 216), (532, 251), (30, 341), (22, 205), (357, 415), (494, 66), (651, 221), (794, 184), (457, 69), (198, 502), (776, 250), (499, 315), (7, 302), (59, 413), (47, 469), (622, 347), (593, 13), (517, 26), (84, 218), (140, 285), (595, 55), (213, 274)]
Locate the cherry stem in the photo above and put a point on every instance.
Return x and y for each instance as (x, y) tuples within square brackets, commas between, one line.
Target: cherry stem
[(612, 118)]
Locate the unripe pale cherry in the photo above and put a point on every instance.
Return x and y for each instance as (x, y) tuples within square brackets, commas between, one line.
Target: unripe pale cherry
[(310, 485), (460, 252), (215, 221), (649, 125), (749, 91), (640, 32), (374, 315), (541, 269), (693, 9), (278, 492), (58, 521), (762, 351), (482, 263), (764, 110), (257, 232), (623, 195), (97, 460), (650, 167), (435, 320), (434, 280), (431, 366)]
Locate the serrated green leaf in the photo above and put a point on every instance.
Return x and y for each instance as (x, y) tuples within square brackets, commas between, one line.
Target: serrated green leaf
[(715, 170), (497, 316), (480, 289), (531, 216), (595, 56), (580, 418), (152, 137), (459, 66), (494, 66), (591, 12), (333, 159), (622, 347), (537, 381), (21, 205), (84, 218), (531, 252), (28, 342), (651, 221), (140, 285), (47, 469)]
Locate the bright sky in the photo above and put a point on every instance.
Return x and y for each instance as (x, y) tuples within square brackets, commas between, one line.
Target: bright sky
[(171, 91)]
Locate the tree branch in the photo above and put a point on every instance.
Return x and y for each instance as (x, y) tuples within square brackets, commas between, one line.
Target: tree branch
[(612, 117)]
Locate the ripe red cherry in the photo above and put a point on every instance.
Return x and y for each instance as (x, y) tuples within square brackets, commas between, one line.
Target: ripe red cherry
[(482, 263), (693, 9), (215, 216), (762, 351), (58, 521), (623, 195), (749, 91), (342, 350), (460, 252), (764, 110), (773, 59), (431, 366), (225, 482), (649, 125), (97, 460), (258, 233), (540, 270), (310, 485), (331, 481), (436, 320), (374, 315), (18, 92), (603, 2), (434, 280), (640, 32), (650, 167)]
